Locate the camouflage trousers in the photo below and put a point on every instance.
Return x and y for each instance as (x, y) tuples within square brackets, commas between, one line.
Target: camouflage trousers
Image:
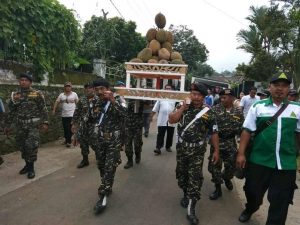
[(228, 151), (189, 169), (87, 137), (108, 156), (134, 141), (28, 140)]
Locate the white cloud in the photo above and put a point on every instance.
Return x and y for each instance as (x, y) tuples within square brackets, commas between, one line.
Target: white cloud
[(215, 22)]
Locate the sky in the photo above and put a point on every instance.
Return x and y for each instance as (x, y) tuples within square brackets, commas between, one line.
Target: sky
[(215, 22)]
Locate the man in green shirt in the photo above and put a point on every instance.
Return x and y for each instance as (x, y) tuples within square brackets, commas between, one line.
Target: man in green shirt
[(271, 164)]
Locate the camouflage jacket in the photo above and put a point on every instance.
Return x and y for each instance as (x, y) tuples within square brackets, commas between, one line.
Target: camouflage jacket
[(87, 110), (229, 123), (199, 129), (29, 108), (134, 119), (113, 117)]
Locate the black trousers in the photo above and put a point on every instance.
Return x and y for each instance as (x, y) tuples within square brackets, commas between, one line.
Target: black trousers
[(280, 185), (66, 122), (161, 136)]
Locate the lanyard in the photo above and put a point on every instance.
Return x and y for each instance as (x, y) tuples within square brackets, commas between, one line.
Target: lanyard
[(199, 115), (102, 115)]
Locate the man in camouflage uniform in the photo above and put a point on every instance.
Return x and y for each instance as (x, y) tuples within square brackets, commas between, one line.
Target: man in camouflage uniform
[(191, 145), (230, 121), (84, 121), (109, 133), (134, 132), (28, 112)]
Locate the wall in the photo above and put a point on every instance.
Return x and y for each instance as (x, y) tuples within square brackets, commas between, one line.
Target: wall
[(55, 129)]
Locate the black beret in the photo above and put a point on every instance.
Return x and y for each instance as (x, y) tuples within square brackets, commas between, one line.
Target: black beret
[(101, 82), (26, 75), (199, 87), (226, 92), (280, 76)]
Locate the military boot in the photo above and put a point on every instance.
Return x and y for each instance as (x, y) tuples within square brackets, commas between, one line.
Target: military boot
[(191, 215), (217, 193), (228, 184), (30, 173), (1, 160), (24, 170), (84, 162), (138, 158), (184, 202), (101, 204), (129, 163)]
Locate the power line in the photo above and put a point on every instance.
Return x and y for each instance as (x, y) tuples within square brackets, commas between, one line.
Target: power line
[(137, 11), (140, 9), (223, 12), (117, 9)]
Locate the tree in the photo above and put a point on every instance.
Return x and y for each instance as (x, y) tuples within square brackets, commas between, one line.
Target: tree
[(272, 40), (193, 52), (111, 39), (43, 32), (202, 70)]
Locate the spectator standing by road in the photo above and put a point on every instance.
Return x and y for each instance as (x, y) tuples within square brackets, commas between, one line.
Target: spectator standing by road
[(237, 101), (248, 100), (68, 99), (163, 108), (209, 99), (271, 164)]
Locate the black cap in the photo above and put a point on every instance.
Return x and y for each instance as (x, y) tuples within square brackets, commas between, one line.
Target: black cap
[(293, 92), (199, 87), (88, 85), (26, 75), (226, 91), (280, 76), (101, 82)]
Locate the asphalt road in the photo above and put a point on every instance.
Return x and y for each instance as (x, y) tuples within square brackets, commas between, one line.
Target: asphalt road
[(146, 194)]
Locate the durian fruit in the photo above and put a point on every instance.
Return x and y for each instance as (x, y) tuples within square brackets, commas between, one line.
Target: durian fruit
[(176, 55), (145, 54), (154, 57), (136, 60), (177, 61), (160, 20), (170, 37), (163, 53), (163, 61), (161, 36), (155, 46), (151, 34), (152, 61), (167, 45)]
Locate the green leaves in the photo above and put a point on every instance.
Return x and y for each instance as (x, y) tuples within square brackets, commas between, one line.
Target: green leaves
[(272, 39), (40, 32)]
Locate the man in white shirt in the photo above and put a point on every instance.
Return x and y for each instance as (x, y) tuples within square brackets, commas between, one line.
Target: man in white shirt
[(248, 100), (68, 99), (164, 108)]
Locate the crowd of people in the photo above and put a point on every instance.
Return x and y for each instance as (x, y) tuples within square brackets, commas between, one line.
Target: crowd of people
[(268, 124)]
